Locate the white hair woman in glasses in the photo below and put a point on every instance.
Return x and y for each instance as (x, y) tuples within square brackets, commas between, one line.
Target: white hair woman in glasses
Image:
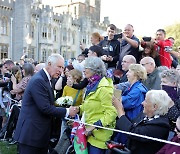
[(152, 122)]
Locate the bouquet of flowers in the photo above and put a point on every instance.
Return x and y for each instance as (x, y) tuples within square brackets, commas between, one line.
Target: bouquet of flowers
[(65, 101)]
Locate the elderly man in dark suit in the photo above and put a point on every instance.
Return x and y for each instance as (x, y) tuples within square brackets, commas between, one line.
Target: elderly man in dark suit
[(35, 119)]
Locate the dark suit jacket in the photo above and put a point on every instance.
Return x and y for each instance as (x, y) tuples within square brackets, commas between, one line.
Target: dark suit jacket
[(35, 119), (158, 128)]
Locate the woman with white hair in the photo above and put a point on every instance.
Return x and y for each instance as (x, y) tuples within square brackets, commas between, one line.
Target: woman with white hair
[(152, 122), (98, 106), (170, 83)]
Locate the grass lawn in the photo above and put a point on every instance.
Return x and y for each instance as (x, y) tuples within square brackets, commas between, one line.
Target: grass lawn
[(5, 148)]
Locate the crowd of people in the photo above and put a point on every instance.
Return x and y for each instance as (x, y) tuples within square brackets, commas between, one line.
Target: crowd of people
[(149, 103)]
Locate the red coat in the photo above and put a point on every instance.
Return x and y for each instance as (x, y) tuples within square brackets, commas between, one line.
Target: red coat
[(165, 57)]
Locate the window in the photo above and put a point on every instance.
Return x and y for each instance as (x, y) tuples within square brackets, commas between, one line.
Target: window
[(4, 51), (75, 10), (44, 55), (55, 34), (44, 32), (31, 53), (4, 25)]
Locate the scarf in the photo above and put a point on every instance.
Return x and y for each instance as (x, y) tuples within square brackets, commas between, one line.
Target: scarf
[(93, 82)]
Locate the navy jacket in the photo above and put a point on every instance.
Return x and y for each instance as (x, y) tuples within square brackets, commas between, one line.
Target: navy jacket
[(35, 119), (157, 128)]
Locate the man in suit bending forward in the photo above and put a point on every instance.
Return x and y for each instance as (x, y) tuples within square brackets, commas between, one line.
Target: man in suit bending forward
[(35, 119)]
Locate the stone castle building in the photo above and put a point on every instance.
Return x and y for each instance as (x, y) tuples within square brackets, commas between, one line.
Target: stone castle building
[(28, 27)]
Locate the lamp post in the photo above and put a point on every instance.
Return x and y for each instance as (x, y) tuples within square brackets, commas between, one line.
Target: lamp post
[(37, 45), (28, 41), (11, 41)]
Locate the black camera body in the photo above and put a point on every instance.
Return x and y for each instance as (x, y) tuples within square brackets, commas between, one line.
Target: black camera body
[(146, 39), (119, 35)]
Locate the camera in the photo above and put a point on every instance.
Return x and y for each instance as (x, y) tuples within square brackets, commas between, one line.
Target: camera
[(168, 49), (146, 39), (119, 35)]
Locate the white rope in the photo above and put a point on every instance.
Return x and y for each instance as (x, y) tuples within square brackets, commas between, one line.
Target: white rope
[(12, 99), (128, 133)]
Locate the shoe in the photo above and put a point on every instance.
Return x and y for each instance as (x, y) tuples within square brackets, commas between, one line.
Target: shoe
[(12, 142)]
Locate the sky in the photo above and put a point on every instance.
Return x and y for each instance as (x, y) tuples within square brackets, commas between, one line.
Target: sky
[(145, 15)]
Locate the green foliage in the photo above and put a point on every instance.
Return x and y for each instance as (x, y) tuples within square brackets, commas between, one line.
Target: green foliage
[(174, 31), (5, 148)]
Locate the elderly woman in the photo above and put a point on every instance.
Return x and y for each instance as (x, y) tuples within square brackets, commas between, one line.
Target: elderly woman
[(98, 106), (152, 122), (169, 83), (134, 95)]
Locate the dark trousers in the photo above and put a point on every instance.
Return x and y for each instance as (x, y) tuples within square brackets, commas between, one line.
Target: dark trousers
[(26, 149), (95, 150)]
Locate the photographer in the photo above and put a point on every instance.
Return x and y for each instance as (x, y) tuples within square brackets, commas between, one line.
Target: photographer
[(111, 48), (129, 45), (163, 47)]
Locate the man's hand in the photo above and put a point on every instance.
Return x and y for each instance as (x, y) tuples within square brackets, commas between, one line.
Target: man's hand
[(73, 110)]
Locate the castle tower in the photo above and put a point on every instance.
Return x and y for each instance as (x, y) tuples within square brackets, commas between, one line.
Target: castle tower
[(98, 10), (21, 27)]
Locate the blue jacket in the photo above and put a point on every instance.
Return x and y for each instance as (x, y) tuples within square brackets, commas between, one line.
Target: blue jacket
[(132, 99)]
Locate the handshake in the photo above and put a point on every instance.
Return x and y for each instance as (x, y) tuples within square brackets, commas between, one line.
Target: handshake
[(73, 110)]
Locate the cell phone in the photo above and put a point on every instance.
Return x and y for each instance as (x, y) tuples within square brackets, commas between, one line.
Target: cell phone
[(117, 93), (147, 39), (119, 35)]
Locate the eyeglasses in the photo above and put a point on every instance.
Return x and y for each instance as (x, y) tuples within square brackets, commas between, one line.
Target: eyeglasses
[(125, 61), (145, 64)]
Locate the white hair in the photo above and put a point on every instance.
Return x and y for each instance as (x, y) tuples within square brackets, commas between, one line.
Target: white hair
[(161, 99), (53, 58), (96, 65)]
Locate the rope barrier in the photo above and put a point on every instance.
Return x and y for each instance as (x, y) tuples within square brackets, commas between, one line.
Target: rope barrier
[(128, 133)]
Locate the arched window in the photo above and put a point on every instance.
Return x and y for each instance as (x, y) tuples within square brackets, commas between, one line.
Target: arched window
[(4, 26), (75, 13), (44, 55), (55, 34), (44, 32)]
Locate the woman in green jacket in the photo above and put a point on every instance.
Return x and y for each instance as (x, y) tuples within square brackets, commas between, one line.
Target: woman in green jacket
[(98, 106)]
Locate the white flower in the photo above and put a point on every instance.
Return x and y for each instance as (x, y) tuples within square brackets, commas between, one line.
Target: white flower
[(65, 101)]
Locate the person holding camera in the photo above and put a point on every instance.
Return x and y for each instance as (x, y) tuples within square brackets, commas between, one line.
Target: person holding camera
[(163, 47), (111, 48), (129, 45)]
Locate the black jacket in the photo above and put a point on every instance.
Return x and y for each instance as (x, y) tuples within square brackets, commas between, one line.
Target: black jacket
[(157, 128), (114, 52)]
